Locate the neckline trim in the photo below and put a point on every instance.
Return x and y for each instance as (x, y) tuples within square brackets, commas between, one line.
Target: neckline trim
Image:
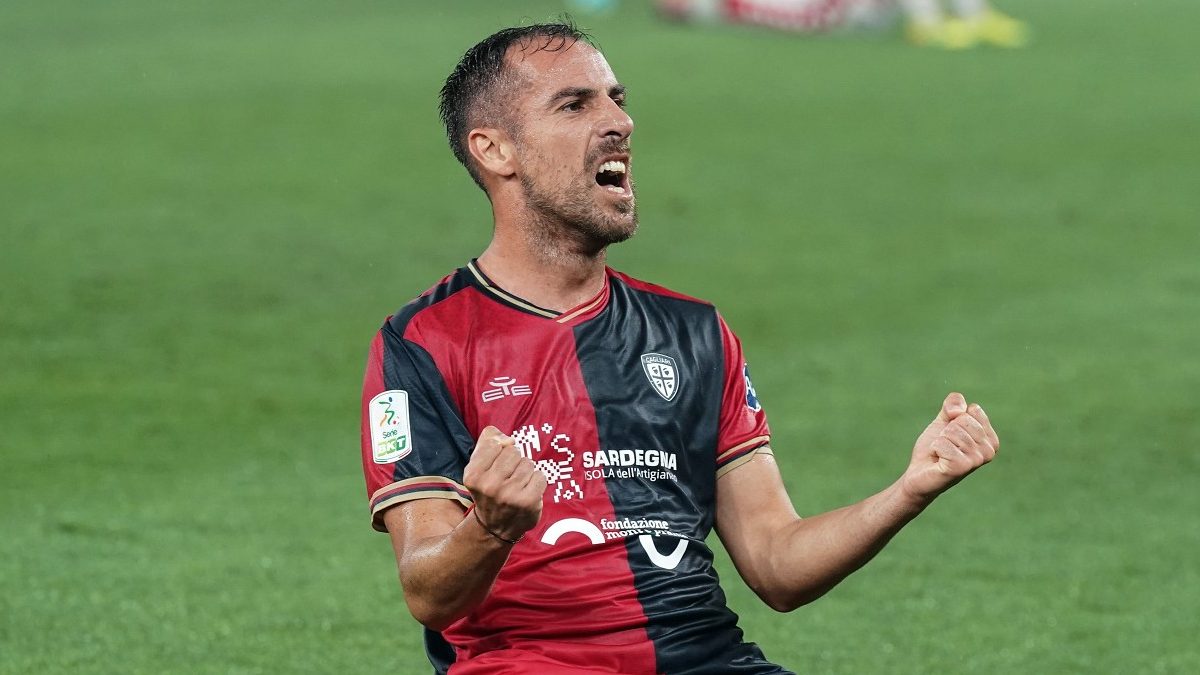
[(526, 306)]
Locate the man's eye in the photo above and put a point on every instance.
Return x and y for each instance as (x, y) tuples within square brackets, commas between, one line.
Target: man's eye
[(573, 106), (620, 102)]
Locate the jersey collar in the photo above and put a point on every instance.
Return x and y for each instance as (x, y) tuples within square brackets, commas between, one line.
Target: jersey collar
[(573, 316)]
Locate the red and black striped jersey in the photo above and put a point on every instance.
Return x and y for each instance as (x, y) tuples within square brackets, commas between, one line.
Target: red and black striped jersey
[(632, 404)]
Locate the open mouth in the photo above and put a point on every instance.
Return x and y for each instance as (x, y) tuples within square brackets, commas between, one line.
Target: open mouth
[(614, 177)]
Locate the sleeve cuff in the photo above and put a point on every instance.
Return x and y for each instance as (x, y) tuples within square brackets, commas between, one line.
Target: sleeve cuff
[(743, 452), (420, 487)]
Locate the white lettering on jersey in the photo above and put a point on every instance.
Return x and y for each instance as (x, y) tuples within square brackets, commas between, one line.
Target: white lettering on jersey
[(619, 529), (628, 458)]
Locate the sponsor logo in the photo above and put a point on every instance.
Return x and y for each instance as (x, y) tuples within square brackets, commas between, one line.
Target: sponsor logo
[(751, 396), (628, 527), (505, 386), (391, 436), (652, 465), (662, 373), (645, 529), (559, 528), (647, 458), (551, 452), (669, 561)]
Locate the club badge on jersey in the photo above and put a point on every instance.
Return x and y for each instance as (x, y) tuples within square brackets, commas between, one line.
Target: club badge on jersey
[(663, 375)]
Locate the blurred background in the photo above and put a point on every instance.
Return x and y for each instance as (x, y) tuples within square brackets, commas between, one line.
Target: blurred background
[(207, 209)]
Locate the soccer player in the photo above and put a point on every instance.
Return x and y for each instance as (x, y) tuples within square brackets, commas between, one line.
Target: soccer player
[(548, 442)]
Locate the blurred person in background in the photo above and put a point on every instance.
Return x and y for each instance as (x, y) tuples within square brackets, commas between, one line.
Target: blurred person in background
[(972, 22), (968, 23), (798, 16)]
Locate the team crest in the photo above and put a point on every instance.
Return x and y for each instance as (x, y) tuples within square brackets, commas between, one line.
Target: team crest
[(662, 373), (391, 436)]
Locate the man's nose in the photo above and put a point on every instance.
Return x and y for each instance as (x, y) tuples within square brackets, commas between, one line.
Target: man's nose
[(615, 121)]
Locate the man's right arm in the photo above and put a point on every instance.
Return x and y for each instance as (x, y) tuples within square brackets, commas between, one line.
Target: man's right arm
[(449, 560)]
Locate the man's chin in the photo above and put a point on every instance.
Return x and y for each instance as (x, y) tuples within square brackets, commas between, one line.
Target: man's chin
[(617, 232), (593, 222)]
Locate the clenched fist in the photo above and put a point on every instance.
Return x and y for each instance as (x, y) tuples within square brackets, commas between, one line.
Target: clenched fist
[(507, 488), (958, 441)]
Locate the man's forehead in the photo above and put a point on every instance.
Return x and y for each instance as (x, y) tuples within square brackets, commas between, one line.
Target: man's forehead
[(548, 65)]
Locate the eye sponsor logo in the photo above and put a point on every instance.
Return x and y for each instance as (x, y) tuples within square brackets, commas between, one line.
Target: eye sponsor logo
[(391, 436), (645, 529), (751, 396), (505, 386), (660, 369)]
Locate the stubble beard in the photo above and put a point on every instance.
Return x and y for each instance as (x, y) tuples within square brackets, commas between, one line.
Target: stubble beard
[(569, 221)]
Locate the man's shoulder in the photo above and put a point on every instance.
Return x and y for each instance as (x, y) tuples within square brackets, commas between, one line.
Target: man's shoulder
[(432, 301), (654, 289)]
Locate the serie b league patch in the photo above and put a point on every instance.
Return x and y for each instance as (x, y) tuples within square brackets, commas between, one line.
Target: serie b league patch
[(391, 435)]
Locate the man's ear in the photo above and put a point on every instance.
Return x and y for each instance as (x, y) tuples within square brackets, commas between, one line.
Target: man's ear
[(493, 151)]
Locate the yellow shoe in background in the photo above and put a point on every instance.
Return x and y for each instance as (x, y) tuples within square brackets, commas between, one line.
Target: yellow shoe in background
[(953, 34), (1001, 30)]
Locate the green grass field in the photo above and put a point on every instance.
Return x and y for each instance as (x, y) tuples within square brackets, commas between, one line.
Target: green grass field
[(206, 209)]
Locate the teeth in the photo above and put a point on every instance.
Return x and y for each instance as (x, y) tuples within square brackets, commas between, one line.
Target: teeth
[(618, 190), (613, 166)]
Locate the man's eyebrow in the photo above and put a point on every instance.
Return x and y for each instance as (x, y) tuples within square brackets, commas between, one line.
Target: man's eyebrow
[(586, 92), (573, 92)]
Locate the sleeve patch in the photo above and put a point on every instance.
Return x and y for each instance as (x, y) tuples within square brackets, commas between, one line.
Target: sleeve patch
[(751, 396), (391, 434)]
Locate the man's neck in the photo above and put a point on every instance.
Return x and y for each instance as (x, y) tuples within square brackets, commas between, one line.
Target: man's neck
[(548, 274)]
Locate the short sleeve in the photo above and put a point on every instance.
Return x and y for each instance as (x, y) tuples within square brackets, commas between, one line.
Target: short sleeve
[(742, 430), (414, 443)]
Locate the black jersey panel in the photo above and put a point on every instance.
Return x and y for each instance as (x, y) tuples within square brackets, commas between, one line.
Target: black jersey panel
[(440, 653), (653, 365), (437, 422), (444, 443)]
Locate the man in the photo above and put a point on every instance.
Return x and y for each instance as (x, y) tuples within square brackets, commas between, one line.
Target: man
[(549, 442)]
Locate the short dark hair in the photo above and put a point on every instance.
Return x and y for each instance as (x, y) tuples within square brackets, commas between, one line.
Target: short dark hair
[(480, 73)]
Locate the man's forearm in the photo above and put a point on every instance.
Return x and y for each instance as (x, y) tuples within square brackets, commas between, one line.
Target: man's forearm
[(445, 577), (810, 556), (790, 561), (448, 562)]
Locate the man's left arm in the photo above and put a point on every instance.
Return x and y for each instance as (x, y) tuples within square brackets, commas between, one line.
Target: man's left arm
[(790, 561)]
